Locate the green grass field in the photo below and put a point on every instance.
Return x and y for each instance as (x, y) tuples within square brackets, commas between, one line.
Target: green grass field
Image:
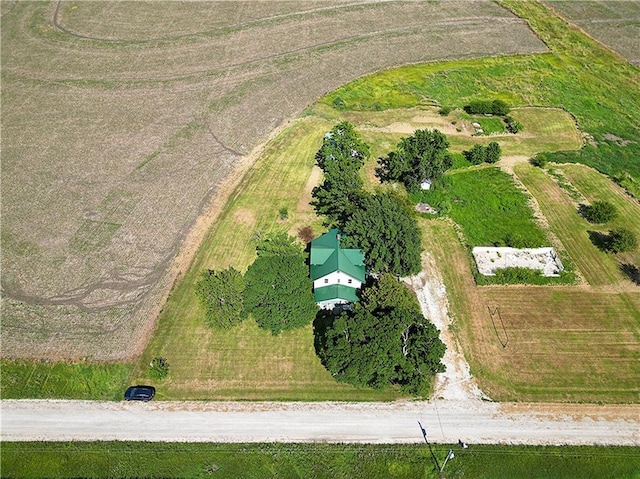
[(314, 461), (489, 207)]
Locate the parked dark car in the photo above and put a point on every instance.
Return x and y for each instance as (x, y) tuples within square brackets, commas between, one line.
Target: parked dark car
[(140, 393)]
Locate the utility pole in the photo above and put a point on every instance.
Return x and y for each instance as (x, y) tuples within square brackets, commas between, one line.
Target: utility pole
[(424, 435)]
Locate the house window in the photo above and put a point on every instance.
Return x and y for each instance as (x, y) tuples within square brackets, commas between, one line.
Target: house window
[(326, 280)]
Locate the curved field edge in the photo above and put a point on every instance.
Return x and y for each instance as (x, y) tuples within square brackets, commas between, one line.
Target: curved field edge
[(547, 61), (35, 460), (600, 90)]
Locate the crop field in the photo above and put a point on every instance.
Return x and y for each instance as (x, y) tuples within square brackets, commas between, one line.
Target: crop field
[(614, 23), (122, 121)]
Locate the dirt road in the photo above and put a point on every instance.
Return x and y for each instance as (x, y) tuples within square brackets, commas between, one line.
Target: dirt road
[(444, 421)]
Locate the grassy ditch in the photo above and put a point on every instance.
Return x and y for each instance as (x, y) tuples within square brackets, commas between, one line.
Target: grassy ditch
[(179, 460)]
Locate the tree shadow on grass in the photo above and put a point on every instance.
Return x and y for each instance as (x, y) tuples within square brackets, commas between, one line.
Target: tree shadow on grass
[(599, 239), (584, 210), (324, 319), (632, 272)]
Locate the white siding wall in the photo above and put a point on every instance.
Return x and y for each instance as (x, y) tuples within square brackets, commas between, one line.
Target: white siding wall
[(337, 277)]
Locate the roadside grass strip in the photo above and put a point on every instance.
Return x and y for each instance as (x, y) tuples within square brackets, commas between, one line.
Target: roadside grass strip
[(55, 380), (97, 460), (245, 362)]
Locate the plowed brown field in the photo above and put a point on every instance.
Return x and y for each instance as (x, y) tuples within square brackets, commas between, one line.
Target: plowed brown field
[(124, 122)]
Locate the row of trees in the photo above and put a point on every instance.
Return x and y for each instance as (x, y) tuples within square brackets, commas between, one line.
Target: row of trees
[(276, 290), (382, 225), (384, 340)]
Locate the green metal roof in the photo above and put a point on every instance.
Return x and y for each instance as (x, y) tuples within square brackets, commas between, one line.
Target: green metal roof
[(327, 257), (335, 291)]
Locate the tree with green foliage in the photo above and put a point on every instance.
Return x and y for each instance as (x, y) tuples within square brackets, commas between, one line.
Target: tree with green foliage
[(340, 157), (475, 155), (492, 152), (599, 212), (221, 293), (384, 341), (483, 154), (422, 156), (338, 195), (621, 240), (344, 144), (278, 292), (484, 107), (385, 229)]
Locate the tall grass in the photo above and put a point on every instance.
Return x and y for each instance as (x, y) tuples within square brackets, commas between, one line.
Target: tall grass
[(317, 461), (44, 380), (489, 207)]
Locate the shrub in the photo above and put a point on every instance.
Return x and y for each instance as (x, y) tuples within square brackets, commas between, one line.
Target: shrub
[(158, 368), (445, 110), (492, 152), (482, 107), (475, 155), (517, 275), (539, 160), (483, 154), (513, 125), (599, 212), (283, 213), (621, 240)]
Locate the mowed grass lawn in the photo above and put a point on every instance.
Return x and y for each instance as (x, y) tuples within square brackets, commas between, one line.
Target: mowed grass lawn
[(598, 267), (245, 362), (579, 343), (542, 343)]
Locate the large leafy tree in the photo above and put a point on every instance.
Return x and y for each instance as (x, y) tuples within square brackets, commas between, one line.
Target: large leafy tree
[(385, 341), (221, 293), (341, 156), (418, 157), (384, 227), (278, 292), (344, 144)]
